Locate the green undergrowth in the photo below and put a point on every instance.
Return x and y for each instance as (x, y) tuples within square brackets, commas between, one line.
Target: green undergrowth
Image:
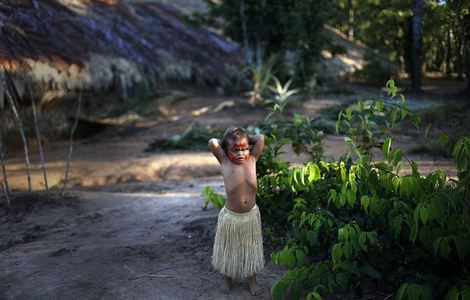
[(210, 196), (356, 220)]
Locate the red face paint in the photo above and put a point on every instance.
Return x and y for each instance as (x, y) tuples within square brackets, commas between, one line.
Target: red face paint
[(238, 152), (240, 145), (231, 156)]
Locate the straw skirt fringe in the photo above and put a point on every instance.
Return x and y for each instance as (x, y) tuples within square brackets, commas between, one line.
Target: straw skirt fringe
[(238, 245)]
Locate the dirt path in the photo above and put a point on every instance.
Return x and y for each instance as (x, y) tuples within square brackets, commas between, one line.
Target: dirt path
[(101, 242)]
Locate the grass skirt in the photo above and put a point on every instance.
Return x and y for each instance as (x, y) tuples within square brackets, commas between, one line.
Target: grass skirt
[(238, 245)]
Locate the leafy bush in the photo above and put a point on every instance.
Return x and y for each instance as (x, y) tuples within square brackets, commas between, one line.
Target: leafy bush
[(354, 221), (261, 75), (211, 196)]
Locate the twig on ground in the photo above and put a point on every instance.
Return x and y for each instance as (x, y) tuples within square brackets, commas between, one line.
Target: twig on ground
[(152, 275), (389, 296), (148, 275), (125, 266)]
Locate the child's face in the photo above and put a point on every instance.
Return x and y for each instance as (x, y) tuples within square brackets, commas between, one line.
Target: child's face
[(238, 151)]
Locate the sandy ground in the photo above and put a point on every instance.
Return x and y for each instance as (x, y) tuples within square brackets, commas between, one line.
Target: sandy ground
[(131, 224), (116, 245)]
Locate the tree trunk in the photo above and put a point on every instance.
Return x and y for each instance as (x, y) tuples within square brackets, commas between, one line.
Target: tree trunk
[(458, 54), (448, 70), (246, 44), (417, 47), (465, 46), (350, 20)]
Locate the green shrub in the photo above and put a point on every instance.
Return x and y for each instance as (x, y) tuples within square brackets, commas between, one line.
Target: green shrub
[(211, 196), (356, 219)]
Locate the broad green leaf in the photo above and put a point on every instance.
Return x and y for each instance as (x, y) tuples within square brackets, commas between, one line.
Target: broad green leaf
[(403, 113), (416, 213), (424, 215), (336, 252), (362, 239), (342, 234), (332, 195), (287, 258), (343, 174), (351, 198), (365, 202), (402, 291), (278, 290), (414, 168), (443, 139), (386, 147), (397, 156), (352, 233), (396, 183), (347, 251), (294, 290), (416, 119), (301, 257), (380, 105)]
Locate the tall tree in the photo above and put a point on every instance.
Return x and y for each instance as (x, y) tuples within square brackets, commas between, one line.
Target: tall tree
[(417, 48), (463, 20), (274, 27)]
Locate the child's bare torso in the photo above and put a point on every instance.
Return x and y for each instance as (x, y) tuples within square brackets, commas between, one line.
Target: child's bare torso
[(240, 184)]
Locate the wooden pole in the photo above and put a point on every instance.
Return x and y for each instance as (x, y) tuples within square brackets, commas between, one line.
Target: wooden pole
[(23, 137), (6, 190), (39, 140), (71, 142)]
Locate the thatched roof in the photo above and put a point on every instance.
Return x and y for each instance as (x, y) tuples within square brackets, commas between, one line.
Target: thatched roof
[(91, 44)]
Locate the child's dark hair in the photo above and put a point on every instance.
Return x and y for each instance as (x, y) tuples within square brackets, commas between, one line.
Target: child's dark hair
[(232, 134)]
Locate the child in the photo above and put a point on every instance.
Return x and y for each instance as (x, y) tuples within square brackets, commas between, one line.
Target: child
[(238, 245)]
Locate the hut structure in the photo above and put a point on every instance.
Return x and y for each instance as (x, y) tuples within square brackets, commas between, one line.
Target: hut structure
[(63, 47)]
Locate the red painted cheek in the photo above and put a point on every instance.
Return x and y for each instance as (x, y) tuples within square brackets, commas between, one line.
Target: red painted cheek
[(231, 156), (246, 156)]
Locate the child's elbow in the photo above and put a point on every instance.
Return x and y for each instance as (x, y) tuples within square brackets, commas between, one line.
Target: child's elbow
[(212, 144)]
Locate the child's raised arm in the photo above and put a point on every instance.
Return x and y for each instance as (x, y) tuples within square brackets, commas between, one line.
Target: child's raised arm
[(215, 146), (258, 144)]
